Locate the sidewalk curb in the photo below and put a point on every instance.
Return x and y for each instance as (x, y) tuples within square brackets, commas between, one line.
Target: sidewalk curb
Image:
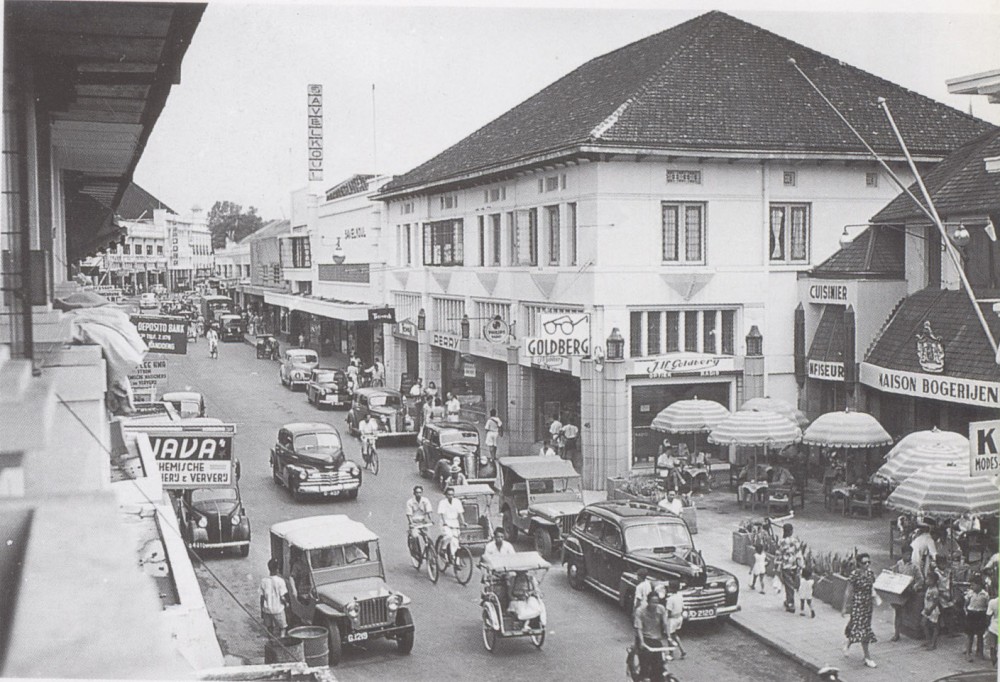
[(785, 651)]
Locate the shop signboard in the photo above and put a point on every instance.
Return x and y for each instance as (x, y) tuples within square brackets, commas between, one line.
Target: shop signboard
[(192, 455), (382, 315), (564, 335), (496, 331), (148, 378), (406, 328), (826, 371), (681, 364), (984, 448), (445, 340), (162, 333), (830, 292), (935, 387)]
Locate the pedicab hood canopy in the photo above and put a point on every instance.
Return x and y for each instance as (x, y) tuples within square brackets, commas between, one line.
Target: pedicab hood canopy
[(519, 561), (318, 532)]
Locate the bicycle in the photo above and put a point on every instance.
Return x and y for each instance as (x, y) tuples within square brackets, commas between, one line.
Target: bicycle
[(369, 452), (633, 670), (422, 551), (461, 562)]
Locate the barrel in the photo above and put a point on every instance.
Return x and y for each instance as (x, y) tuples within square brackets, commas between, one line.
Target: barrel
[(284, 650), (314, 644)]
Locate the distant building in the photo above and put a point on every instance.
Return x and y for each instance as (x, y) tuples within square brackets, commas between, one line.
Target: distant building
[(189, 248), (139, 259), (266, 275)]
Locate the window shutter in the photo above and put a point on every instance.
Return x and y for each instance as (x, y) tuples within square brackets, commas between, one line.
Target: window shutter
[(427, 245), (523, 242)]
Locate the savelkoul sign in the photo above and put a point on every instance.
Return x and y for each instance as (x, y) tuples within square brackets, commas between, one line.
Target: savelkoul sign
[(935, 386)]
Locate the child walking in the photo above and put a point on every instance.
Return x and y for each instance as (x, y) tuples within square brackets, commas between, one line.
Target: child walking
[(759, 568), (977, 600), (806, 593), (931, 612)]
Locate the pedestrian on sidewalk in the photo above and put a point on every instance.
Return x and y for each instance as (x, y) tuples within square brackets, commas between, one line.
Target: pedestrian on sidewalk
[(759, 568), (905, 566), (861, 596), (977, 600), (805, 593), (642, 588), (790, 562), (452, 407), (991, 616), (273, 600), (675, 619), (437, 410), (493, 429), (931, 613)]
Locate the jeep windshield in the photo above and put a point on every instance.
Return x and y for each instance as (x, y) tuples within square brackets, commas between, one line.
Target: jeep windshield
[(323, 439), (555, 490), (457, 437), (384, 401), (657, 537)]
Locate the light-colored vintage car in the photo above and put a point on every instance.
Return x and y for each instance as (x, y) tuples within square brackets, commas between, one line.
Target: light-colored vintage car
[(296, 366)]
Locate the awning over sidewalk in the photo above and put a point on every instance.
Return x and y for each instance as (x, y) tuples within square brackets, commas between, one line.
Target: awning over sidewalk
[(349, 311)]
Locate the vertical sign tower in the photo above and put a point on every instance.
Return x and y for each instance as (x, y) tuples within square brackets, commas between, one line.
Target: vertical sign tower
[(315, 123)]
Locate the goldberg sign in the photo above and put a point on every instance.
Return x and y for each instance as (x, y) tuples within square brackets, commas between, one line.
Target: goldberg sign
[(984, 439), (315, 121), (162, 334), (563, 335), (950, 389), (822, 292)]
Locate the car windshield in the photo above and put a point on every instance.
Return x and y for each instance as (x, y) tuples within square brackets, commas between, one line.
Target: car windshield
[(555, 489), (384, 400), (188, 408), (326, 377), (455, 437), (303, 358), (344, 555), (324, 439), (213, 495), (653, 536)]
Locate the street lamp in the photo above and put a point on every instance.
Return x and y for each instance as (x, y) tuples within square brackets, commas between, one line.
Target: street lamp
[(421, 320), (615, 345), (960, 236), (465, 326), (845, 238)]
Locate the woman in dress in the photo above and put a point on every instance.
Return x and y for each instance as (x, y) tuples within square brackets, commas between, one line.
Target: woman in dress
[(860, 595)]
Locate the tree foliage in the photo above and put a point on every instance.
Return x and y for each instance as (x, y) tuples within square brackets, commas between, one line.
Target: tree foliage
[(227, 219)]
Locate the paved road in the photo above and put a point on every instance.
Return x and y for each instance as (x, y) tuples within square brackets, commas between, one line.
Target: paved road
[(587, 633)]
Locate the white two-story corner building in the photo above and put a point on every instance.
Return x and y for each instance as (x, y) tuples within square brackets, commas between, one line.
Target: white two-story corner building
[(674, 189)]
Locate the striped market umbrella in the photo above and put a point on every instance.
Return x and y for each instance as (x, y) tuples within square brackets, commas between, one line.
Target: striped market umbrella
[(689, 416), (913, 459), (946, 490), (931, 437), (753, 428), (782, 407), (846, 429)]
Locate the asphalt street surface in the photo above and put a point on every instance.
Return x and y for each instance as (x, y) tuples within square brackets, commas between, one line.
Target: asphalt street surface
[(587, 633)]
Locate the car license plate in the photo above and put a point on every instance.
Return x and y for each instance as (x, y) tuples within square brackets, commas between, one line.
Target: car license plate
[(701, 614), (357, 637)]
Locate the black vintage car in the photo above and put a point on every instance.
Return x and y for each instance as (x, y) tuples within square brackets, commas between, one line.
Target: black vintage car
[(214, 518), (328, 387), (230, 327), (309, 459), (611, 541), (392, 412), (439, 443)]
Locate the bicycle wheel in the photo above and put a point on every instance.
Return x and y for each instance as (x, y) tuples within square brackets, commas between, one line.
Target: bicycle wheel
[(374, 461), (463, 565), (416, 556), (430, 558)]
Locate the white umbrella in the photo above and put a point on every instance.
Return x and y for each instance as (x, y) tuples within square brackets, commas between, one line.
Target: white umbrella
[(782, 407), (946, 490), (913, 459), (930, 437), (689, 416), (847, 429), (755, 428)]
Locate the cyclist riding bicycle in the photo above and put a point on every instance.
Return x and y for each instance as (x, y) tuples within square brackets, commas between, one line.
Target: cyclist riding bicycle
[(452, 515), (369, 436), (419, 513), (213, 343)]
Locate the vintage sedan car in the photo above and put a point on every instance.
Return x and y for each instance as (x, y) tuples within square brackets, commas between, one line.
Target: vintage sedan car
[(612, 540), (390, 409), (439, 443), (328, 387), (230, 327), (540, 496), (296, 366), (308, 459), (147, 301), (336, 580), (214, 518), (186, 404)]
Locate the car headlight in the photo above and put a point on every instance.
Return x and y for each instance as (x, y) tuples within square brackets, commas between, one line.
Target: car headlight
[(731, 585), (235, 519), (203, 522), (353, 609), (394, 602)]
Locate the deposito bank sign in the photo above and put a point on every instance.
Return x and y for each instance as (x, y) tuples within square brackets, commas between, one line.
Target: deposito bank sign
[(561, 335)]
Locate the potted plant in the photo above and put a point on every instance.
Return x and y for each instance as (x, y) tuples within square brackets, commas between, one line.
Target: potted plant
[(832, 574), (741, 544)]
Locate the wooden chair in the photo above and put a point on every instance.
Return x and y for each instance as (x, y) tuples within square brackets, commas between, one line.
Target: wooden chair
[(780, 499), (865, 500)]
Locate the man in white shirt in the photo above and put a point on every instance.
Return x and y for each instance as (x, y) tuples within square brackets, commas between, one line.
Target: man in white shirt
[(672, 503), (452, 515), (642, 589), (569, 434), (417, 389), (273, 600), (499, 545), (547, 450), (418, 511), (368, 430), (924, 548), (452, 407), (555, 428), (492, 427)]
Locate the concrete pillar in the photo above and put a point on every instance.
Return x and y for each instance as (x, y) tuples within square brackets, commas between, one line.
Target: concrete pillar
[(604, 436), (753, 367), (430, 361), (521, 406), (395, 360)]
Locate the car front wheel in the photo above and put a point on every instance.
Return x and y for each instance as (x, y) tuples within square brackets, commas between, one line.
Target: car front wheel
[(333, 639), (404, 642), (575, 574)]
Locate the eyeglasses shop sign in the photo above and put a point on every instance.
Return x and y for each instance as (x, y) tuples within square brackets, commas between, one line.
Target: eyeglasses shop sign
[(562, 335)]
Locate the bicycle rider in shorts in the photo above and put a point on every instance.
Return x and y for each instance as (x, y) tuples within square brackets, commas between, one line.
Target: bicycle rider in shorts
[(369, 435), (452, 515), (419, 513)]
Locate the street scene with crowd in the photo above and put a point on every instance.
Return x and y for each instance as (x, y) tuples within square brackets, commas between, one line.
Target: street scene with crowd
[(683, 365)]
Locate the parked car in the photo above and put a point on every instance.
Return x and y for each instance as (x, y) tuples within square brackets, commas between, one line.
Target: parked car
[(214, 518), (147, 301), (392, 412), (610, 541), (186, 404), (336, 580), (296, 365), (230, 327), (308, 459), (328, 387), (438, 443), (540, 496)]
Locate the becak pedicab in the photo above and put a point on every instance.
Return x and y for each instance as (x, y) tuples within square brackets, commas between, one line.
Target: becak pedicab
[(511, 599)]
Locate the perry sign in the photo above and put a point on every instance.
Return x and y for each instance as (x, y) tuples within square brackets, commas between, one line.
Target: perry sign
[(562, 335)]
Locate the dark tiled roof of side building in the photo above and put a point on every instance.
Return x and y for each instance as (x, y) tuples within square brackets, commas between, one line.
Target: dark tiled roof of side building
[(958, 185), (713, 83), (274, 228), (830, 338), (953, 320), (352, 185), (137, 203), (878, 252)]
